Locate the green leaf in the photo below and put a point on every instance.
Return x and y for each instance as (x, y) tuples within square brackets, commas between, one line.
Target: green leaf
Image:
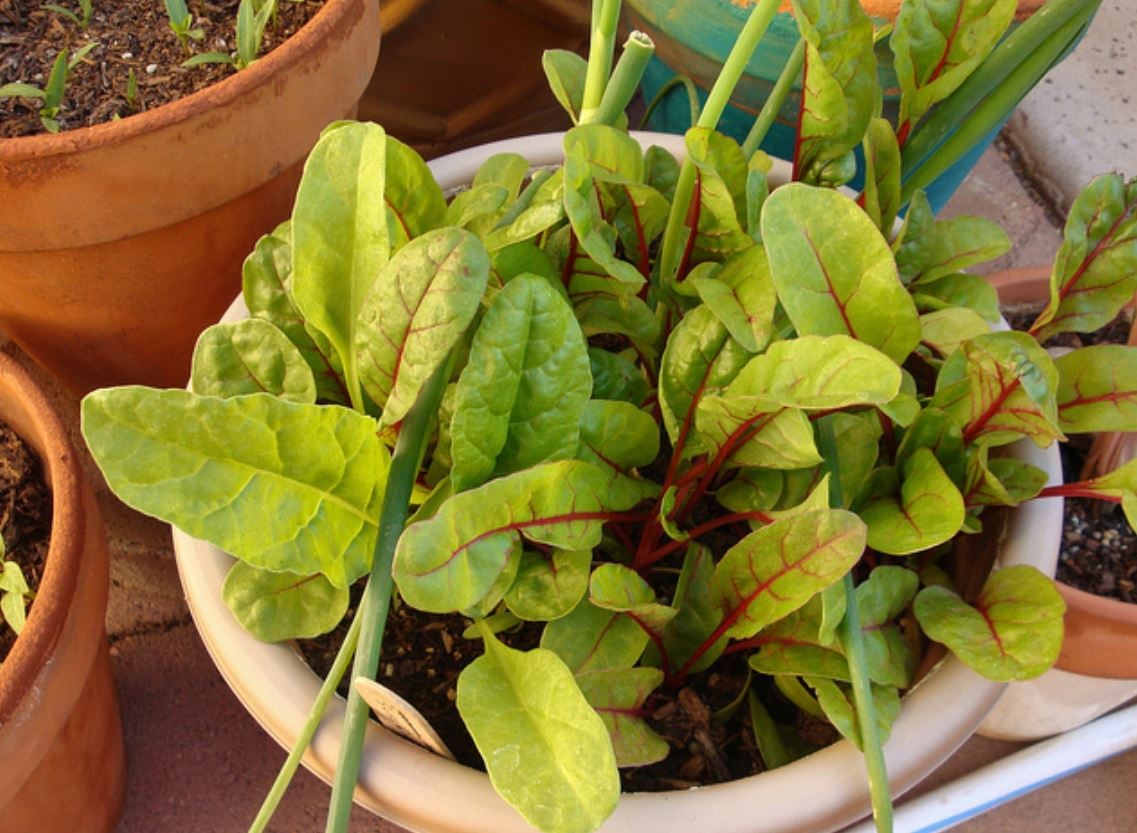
[(793, 646), (565, 72), (1002, 481), (780, 439), (945, 330), (415, 203), (615, 377), (56, 82), (700, 356), (476, 202), (618, 697), (617, 435), (959, 290), (14, 591), (451, 561), (720, 182), (522, 394), (882, 175), (596, 237), (699, 613), (275, 607), (20, 90), (757, 190), (776, 745), (621, 589), (1097, 389), (935, 430), (839, 91), (339, 234), (266, 282), (1014, 631), (886, 594), (250, 356), (549, 587), (208, 58), (281, 485), (932, 249), (546, 750), (928, 511), (834, 271), (639, 214), (1095, 272), (741, 294), (418, 309), (777, 569), (592, 639), (837, 703), (936, 45)]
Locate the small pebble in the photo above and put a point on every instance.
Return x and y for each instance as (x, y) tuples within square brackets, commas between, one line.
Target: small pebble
[(151, 69), (126, 56)]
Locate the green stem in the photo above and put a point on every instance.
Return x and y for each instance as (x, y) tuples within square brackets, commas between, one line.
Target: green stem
[(773, 104), (315, 715), (605, 18), (674, 237), (692, 98), (853, 642), (377, 595), (1014, 67), (626, 78)]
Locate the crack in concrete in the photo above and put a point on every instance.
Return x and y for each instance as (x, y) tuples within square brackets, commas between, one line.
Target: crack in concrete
[(1037, 187), (150, 629)]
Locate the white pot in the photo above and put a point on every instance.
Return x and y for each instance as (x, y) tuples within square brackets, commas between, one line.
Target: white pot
[(428, 794)]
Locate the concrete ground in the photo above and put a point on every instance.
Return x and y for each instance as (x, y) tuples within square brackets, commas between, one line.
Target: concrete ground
[(198, 762)]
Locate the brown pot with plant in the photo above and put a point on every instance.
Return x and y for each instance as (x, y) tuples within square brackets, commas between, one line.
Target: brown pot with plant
[(60, 731), (120, 241)]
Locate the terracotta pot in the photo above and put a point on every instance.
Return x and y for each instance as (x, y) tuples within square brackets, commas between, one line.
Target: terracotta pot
[(60, 732), (1097, 669), (119, 243), (423, 792)]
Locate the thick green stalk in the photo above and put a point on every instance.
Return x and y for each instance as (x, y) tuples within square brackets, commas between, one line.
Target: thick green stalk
[(625, 78), (692, 98), (605, 19), (377, 595), (993, 90), (776, 99), (315, 715), (853, 641), (674, 239)]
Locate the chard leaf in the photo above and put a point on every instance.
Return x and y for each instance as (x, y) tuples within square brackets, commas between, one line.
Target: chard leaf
[(886, 594), (741, 294), (522, 394), (612, 155), (1003, 481), (618, 697), (933, 249), (1095, 272), (1097, 389), (275, 607), (524, 258), (415, 313), (945, 330), (626, 316), (508, 170), (781, 439), (615, 377), (777, 569), (565, 72), (549, 587), (339, 234), (452, 560), (415, 204), (639, 215), (250, 356), (478, 201), (619, 588), (266, 282), (794, 646), (777, 745), (661, 171), (617, 435), (1118, 485), (936, 45), (839, 91), (834, 271), (837, 703), (720, 183), (592, 639), (928, 511), (935, 430), (1000, 387), (700, 356), (699, 613), (882, 175), (546, 750), (757, 190), (959, 290), (1013, 632), (285, 486), (534, 213)]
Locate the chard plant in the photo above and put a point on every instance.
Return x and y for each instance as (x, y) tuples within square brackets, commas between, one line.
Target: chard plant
[(660, 411), (14, 593), (51, 95), (181, 23), (253, 17)]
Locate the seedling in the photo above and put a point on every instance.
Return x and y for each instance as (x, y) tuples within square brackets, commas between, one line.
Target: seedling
[(14, 593), (51, 95), (82, 19), (252, 19), (181, 22)]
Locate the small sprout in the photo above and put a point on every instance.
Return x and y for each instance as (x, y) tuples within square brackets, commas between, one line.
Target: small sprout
[(52, 94), (181, 22), (80, 53), (252, 19), (131, 90), (14, 593), (82, 19)]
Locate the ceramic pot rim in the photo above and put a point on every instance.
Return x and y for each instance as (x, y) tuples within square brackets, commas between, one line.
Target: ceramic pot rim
[(26, 407), (237, 85)]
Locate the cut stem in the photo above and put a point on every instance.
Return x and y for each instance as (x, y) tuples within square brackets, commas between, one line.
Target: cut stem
[(626, 78), (777, 98), (605, 18)]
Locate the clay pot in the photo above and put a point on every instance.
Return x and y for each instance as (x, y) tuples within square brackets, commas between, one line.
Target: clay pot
[(1097, 668), (119, 243), (60, 733)]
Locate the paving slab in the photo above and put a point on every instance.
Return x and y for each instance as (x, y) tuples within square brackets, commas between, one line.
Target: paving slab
[(1082, 119)]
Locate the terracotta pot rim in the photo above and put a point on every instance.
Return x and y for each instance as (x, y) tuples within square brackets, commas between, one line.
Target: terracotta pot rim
[(1103, 607), (241, 83), (58, 586), (890, 8)]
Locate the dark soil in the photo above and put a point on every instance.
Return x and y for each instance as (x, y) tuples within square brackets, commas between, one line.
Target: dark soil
[(131, 35), (25, 515), (1099, 548)]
